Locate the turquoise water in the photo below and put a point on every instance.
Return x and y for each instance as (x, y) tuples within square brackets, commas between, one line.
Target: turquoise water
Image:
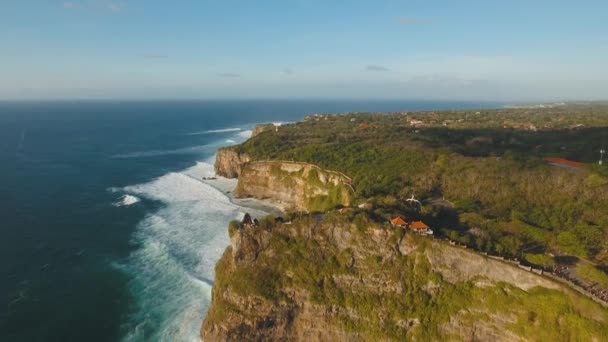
[(106, 231)]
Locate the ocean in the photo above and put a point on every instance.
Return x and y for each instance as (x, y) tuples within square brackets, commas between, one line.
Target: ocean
[(107, 232)]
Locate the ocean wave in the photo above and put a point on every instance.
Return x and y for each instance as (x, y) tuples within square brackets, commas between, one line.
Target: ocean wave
[(239, 137), (245, 134), (180, 244), (155, 153), (223, 130), (126, 200)]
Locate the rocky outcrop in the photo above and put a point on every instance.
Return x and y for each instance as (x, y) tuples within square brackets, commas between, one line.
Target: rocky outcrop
[(295, 186), (463, 265), (289, 185), (229, 162), (247, 241), (345, 278), (257, 130)]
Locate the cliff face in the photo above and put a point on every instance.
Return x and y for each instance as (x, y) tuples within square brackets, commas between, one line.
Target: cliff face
[(346, 279), (261, 128), (290, 185), (295, 186), (228, 162)]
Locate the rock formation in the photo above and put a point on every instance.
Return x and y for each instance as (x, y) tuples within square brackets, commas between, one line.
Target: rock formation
[(291, 185), (295, 186), (229, 161), (347, 279)]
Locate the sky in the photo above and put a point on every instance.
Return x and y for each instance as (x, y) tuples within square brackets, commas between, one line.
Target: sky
[(533, 50)]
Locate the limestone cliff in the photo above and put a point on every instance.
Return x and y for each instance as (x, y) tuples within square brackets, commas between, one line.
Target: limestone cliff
[(290, 185), (229, 161), (262, 128), (345, 278), (295, 186)]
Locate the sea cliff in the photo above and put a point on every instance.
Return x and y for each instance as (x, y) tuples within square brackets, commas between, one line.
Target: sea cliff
[(290, 185), (328, 270), (229, 161), (295, 186), (345, 278)]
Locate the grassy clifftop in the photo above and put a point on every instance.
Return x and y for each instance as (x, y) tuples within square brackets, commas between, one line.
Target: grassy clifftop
[(345, 277), (480, 174)]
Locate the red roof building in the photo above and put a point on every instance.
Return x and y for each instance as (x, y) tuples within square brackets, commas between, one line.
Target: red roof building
[(418, 225), (560, 162), (421, 228), (399, 222)]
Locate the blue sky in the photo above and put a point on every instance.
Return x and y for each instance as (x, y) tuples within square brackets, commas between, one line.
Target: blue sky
[(467, 50)]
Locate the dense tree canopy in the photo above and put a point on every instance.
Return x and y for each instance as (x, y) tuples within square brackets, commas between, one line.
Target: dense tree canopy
[(480, 175)]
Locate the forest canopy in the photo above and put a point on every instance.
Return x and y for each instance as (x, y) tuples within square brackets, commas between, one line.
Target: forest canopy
[(479, 174)]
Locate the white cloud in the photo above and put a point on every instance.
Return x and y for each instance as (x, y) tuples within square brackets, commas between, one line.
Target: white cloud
[(69, 5), (116, 7), (407, 21), (229, 75), (100, 5), (376, 68)]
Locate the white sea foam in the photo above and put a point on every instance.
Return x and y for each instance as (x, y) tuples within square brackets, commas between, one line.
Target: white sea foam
[(126, 200), (245, 134), (197, 149), (155, 153), (223, 130), (179, 246)]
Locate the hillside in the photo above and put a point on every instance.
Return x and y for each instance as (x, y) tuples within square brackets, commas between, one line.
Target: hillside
[(334, 269), (480, 175), (343, 277)]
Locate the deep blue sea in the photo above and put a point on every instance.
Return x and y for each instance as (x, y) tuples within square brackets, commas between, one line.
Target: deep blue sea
[(106, 231)]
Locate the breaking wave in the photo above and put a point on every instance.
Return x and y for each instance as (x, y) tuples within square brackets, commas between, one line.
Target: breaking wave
[(126, 201), (155, 153), (223, 130), (172, 270), (245, 134)]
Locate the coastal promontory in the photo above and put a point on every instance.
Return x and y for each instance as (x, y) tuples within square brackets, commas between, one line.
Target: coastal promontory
[(457, 225)]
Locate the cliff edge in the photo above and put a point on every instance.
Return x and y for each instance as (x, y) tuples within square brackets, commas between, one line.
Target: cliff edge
[(290, 185), (345, 278), (229, 162), (295, 186)]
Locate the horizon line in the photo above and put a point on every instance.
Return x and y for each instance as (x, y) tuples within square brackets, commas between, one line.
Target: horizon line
[(135, 99)]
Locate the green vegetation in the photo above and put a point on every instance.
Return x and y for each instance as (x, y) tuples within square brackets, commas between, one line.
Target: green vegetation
[(413, 302), (542, 260), (591, 274), (480, 175), (482, 182)]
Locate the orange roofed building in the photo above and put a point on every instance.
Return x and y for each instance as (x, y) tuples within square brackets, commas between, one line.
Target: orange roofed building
[(560, 162), (399, 222), (421, 228)]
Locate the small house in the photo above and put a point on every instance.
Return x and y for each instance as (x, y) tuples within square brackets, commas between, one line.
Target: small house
[(420, 227), (398, 222)]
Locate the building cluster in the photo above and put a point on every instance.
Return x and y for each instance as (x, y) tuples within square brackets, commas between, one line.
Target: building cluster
[(316, 117), (417, 227)]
